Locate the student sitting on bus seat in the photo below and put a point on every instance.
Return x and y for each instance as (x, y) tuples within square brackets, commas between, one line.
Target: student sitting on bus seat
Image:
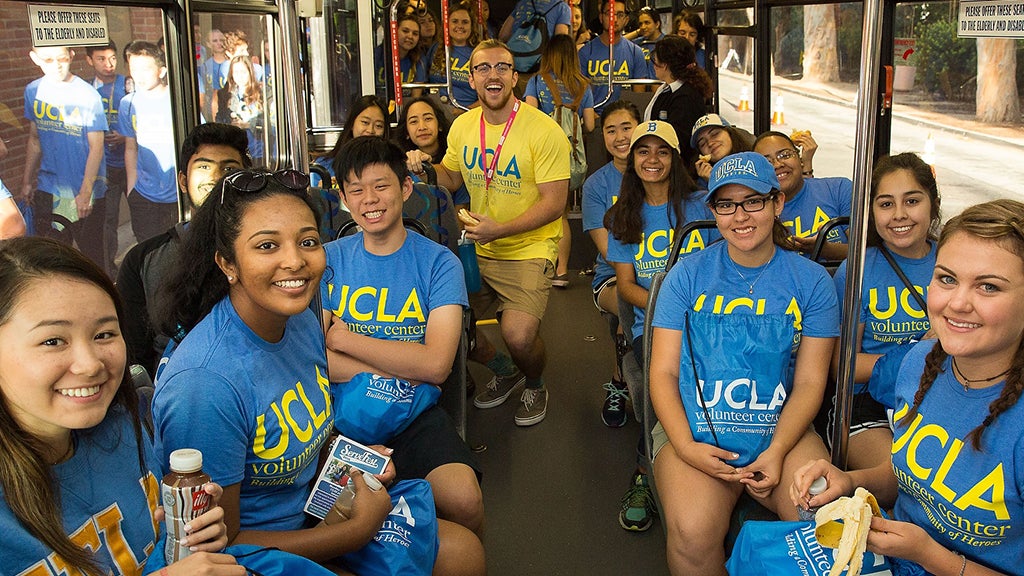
[(657, 197), (367, 117), (75, 457), (903, 221), (714, 138), (774, 317), (411, 333), (208, 153), (954, 471), (810, 202), (423, 126), (600, 191)]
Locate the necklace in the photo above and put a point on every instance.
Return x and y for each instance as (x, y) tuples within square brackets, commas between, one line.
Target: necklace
[(967, 381), (759, 274), (67, 453)]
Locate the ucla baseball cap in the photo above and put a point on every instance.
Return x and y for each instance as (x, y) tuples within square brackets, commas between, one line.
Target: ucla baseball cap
[(706, 121), (662, 130), (747, 168)]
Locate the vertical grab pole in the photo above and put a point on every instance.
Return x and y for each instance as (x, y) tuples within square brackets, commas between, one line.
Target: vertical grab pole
[(448, 55), (396, 67), (863, 159), (611, 51)]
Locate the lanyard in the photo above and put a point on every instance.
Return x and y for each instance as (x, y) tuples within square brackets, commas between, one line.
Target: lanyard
[(489, 171)]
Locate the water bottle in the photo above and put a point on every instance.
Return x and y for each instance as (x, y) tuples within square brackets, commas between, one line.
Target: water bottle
[(817, 487), (342, 509), (467, 254)]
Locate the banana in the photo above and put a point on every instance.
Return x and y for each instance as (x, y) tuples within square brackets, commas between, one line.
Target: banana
[(845, 524)]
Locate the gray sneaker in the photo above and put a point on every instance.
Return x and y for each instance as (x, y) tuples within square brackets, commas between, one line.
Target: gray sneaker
[(534, 408), (498, 390)]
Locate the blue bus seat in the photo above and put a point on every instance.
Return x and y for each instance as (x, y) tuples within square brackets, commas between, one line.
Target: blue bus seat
[(819, 244)]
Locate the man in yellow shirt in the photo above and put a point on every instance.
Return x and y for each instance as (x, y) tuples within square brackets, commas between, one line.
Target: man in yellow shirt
[(518, 188)]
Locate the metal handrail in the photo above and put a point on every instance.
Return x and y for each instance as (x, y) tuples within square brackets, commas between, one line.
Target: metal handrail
[(611, 53)]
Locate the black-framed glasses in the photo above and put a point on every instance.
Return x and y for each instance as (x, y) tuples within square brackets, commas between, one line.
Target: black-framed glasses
[(501, 68), (750, 205), (256, 180), (782, 155)]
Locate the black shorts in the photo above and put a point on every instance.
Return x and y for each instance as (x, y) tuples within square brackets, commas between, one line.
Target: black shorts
[(867, 413), (429, 442)]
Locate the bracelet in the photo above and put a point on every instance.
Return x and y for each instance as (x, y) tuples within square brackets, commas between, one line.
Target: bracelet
[(963, 564), (809, 173)]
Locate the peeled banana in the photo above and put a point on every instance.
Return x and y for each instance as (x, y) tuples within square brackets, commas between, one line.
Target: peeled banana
[(845, 524)]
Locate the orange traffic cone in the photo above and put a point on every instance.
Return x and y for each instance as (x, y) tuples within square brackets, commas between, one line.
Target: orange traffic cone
[(779, 114), (744, 105)]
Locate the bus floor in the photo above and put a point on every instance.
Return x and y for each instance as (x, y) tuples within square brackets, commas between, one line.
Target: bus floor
[(552, 491)]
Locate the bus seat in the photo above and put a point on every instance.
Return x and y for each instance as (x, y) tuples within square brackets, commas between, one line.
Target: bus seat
[(819, 244), (332, 214), (143, 384)]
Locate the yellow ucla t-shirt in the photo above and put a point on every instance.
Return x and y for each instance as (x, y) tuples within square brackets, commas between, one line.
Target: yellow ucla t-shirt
[(536, 151)]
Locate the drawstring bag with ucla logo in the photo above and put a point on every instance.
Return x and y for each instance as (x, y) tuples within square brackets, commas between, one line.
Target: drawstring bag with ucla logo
[(734, 378), (373, 409), (407, 543)]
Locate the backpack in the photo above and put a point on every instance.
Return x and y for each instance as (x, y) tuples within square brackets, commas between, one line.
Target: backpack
[(529, 39), (569, 119)]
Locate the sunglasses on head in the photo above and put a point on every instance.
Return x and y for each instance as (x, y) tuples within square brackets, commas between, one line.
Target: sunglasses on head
[(255, 181)]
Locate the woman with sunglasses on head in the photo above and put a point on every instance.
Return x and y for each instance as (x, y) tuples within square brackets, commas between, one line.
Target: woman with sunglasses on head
[(955, 471), (367, 117), (649, 32), (810, 202), (774, 316), (683, 97), (600, 191), (902, 229), (246, 384), (74, 458), (657, 198)]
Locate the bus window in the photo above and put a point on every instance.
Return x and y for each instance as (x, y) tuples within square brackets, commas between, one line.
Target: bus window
[(236, 78), (63, 101), (736, 80), (333, 46)]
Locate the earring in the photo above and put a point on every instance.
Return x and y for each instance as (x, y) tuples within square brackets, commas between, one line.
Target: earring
[(231, 279)]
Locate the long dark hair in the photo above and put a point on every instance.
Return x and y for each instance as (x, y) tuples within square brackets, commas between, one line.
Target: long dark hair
[(681, 58), (625, 218), (195, 283), (360, 104), (922, 174), (28, 482), (402, 135), (562, 62), (1001, 222)]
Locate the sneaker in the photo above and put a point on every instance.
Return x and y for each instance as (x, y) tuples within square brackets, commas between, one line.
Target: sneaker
[(638, 507), (560, 281), (498, 390), (614, 412), (534, 408)]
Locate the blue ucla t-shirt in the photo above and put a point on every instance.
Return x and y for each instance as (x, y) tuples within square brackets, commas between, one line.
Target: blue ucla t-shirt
[(390, 297), (820, 200), (650, 256), (258, 411), (600, 191), (64, 114), (540, 90), (461, 89), (408, 72), (629, 64), (647, 46), (146, 117), (969, 501), (106, 501), (555, 12), (210, 79), (111, 95), (890, 314)]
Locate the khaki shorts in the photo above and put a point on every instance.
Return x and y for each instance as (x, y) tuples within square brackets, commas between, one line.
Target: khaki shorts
[(659, 439), (521, 285)]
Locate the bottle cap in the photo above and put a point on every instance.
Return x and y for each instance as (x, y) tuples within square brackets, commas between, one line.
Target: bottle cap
[(372, 482), (186, 460), (818, 486)]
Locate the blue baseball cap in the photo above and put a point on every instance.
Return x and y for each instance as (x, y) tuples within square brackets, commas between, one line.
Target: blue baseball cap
[(747, 168)]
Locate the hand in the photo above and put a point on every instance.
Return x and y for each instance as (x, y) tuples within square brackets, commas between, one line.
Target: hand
[(808, 146), (414, 160), (83, 202), (488, 230), (839, 484), (899, 539), (765, 474), (711, 460), (113, 138), (207, 532), (337, 333), (370, 506), (703, 168), (203, 564), (389, 473)]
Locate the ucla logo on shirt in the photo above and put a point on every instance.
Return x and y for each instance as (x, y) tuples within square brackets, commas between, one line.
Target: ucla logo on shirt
[(507, 167), (796, 225), (719, 305), (600, 68)]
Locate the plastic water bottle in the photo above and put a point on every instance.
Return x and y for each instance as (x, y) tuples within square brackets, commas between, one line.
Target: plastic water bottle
[(817, 487), (342, 509), (467, 254)]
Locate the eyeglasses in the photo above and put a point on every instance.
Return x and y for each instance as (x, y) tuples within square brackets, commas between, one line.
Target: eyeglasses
[(782, 155), (501, 68), (254, 181), (750, 205)]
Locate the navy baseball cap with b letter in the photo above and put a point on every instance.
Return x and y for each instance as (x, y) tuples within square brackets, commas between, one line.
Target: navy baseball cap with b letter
[(749, 169)]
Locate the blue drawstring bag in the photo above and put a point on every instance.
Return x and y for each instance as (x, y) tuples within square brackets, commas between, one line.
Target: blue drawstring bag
[(373, 409), (789, 549), (257, 560), (742, 364), (407, 543)]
